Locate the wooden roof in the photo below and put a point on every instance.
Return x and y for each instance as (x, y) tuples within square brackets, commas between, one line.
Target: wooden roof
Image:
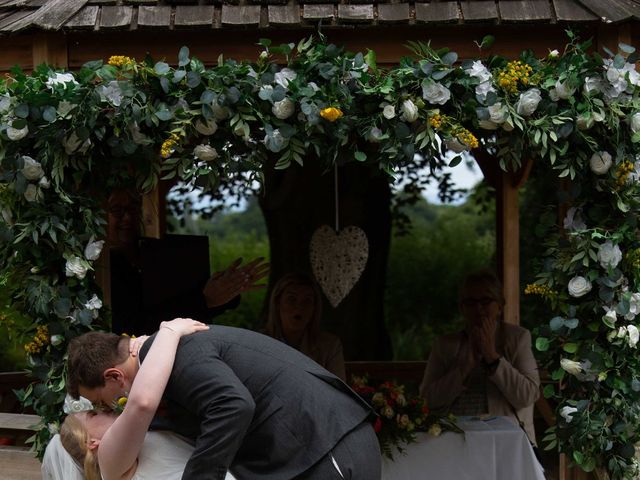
[(113, 15)]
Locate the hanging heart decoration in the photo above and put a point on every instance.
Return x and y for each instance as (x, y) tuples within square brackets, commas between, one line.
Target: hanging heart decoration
[(338, 260)]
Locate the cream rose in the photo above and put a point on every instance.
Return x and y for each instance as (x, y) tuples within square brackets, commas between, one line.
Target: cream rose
[(528, 102), (32, 170), (409, 111), (579, 286), (609, 255), (635, 122), (284, 76), (435, 430), (389, 112), (284, 108), (600, 162), (569, 366), (436, 93), (76, 267), (567, 413), (16, 134), (94, 303), (498, 113), (93, 249), (205, 153), (44, 183), (32, 193), (634, 335), (206, 128)]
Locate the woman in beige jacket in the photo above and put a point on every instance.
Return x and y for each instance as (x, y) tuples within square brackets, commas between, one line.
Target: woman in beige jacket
[(295, 309), (488, 368)]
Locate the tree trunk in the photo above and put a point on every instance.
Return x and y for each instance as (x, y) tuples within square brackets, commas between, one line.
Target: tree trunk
[(296, 202)]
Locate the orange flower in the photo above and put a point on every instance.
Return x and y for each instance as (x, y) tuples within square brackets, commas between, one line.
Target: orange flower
[(331, 113)]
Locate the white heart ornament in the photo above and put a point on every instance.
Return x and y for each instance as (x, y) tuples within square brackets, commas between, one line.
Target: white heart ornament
[(338, 260)]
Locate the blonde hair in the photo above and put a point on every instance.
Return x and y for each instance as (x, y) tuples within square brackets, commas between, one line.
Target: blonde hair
[(75, 440), (274, 322)]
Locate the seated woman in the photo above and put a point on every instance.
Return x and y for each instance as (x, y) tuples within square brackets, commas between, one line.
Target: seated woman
[(488, 368), (295, 308), (119, 447)]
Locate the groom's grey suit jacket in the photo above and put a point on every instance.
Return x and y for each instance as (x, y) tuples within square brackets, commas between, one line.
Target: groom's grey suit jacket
[(254, 405)]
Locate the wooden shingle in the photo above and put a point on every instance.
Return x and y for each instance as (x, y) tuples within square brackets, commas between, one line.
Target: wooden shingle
[(524, 10), (116, 17), (85, 18), (479, 11), (393, 12), (19, 18), (284, 15), (355, 13), (613, 10), (194, 16), (240, 15), (572, 11), (441, 12), (154, 17), (317, 12)]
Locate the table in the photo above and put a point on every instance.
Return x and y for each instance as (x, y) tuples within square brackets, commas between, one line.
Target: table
[(491, 449)]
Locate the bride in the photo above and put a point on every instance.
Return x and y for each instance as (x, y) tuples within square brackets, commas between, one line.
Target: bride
[(109, 446)]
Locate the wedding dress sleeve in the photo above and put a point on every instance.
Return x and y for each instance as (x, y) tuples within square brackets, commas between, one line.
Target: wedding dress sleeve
[(57, 464)]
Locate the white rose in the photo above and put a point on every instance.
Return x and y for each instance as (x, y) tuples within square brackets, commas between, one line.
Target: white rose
[(563, 90), (94, 303), (206, 128), (56, 340), (93, 249), (585, 121), (375, 135), (284, 76), (16, 134), (436, 93), (32, 169), (71, 405), (528, 102), (76, 267), (600, 162), (567, 413), (479, 71), (579, 286), (609, 255), (409, 111), (611, 316), (483, 89), (60, 79), (435, 430), (284, 108), (44, 183), (554, 53), (205, 153), (389, 112), (592, 85), (388, 412), (635, 122), (634, 306), (634, 335), (574, 221), (498, 113), (569, 366), (32, 194)]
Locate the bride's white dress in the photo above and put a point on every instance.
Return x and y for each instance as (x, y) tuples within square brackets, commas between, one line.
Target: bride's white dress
[(163, 457)]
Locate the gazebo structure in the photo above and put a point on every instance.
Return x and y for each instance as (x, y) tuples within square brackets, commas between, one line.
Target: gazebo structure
[(68, 33)]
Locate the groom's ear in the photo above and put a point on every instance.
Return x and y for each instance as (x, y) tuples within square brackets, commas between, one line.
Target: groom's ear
[(94, 443), (113, 374)]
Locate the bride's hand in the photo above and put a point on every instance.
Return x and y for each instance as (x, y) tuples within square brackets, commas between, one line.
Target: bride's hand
[(184, 326)]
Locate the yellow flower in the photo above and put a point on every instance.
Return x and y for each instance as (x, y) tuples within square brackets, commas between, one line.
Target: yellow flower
[(436, 121), (122, 401), (622, 173), (40, 340), (331, 113), (120, 61), (542, 290), (169, 146)]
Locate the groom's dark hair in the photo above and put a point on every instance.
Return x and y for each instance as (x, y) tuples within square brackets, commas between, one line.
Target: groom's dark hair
[(89, 355)]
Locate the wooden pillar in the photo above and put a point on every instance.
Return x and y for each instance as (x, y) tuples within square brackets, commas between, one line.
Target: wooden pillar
[(50, 48), (508, 245), (154, 211)]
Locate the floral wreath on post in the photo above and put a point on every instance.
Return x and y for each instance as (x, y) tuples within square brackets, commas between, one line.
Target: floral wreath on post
[(66, 138)]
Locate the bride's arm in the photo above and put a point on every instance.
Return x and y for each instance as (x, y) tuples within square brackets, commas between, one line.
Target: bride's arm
[(121, 443)]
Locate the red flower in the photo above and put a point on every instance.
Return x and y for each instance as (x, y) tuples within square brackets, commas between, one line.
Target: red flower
[(425, 410), (378, 425)]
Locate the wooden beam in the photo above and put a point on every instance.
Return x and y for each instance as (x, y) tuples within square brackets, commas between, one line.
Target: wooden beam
[(154, 211), (508, 245), (50, 48)]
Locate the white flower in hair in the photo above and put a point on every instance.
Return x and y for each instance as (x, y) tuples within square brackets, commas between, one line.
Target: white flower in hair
[(72, 405)]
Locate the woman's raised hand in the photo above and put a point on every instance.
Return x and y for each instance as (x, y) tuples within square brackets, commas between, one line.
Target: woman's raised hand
[(184, 326)]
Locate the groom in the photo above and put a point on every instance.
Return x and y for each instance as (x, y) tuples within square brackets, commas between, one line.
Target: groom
[(253, 405)]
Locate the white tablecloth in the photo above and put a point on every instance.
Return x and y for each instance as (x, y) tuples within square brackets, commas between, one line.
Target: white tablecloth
[(494, 449)]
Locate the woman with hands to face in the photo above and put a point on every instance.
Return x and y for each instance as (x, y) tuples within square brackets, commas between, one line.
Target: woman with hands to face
[(488, 367)]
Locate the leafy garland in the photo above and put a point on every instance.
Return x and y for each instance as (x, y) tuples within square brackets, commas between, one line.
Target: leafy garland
[(66, 139)]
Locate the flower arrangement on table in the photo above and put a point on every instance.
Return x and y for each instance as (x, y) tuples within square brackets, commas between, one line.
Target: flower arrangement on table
[(400, 416)]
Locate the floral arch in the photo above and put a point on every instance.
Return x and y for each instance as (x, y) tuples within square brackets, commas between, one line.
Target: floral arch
[(67, 138)]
